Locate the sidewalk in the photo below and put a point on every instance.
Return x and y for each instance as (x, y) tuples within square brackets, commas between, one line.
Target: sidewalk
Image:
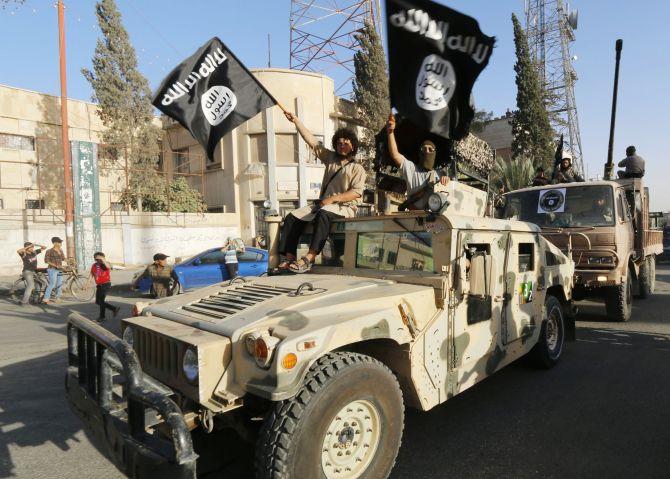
[(121, 279)]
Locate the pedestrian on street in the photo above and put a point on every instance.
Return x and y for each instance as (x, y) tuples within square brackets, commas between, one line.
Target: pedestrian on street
[(28, 255), (164, 279), (233, 247), (100, 273), (633, 163), (54, 258), (341, 191)]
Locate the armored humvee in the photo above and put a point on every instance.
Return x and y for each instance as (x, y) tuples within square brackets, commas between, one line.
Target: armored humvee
[(605, 227), (408, 309)]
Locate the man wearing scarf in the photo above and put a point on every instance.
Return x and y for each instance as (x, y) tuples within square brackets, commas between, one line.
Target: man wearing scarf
[(416, 175)]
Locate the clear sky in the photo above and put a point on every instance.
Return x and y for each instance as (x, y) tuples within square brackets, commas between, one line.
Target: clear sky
[(166, 31)]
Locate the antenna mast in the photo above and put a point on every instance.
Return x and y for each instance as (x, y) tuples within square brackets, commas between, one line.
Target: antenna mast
[(550, 29), (322, 36)]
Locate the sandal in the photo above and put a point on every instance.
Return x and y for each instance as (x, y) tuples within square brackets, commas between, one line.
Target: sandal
[(283, 266), (303, 265)]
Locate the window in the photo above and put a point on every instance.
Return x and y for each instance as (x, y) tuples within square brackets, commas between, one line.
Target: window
[(332, 252), (287, 148), (258, 148), (249, 257), (2, 204), (34, 204), (478, 277), (17, 142), (213, 257), (181, 160), (526, 259), (117, 206), (395, 251)]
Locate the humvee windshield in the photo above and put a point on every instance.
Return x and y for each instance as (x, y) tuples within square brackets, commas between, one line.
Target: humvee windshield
[(388, 251), (575, 206)]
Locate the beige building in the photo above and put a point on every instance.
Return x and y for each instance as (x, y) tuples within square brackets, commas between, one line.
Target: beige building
[(498, 134), (264, 158), (31, 158)]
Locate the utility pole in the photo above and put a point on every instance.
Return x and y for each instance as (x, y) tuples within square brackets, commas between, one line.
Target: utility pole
[(67, 163)]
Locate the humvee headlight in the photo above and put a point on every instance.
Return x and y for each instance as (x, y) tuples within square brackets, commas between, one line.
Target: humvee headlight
[(190, 365), (128, 335), (264, 346), (437, 201)]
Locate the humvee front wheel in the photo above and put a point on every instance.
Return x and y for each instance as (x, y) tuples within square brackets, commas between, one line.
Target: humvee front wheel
[(549, 347), (345, 422)]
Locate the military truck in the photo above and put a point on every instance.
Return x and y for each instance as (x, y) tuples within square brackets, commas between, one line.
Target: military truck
[(605, 227), (406, 310)]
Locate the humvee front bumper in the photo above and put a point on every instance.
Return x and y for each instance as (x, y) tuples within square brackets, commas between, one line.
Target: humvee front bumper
[(142, 427)]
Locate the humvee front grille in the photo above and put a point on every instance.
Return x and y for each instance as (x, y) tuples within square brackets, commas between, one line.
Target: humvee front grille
[(157, 354), (234, 300)]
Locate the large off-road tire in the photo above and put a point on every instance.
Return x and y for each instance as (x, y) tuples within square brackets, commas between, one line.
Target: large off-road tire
[(648, 276), (345, 422), (549, 348), (619, 300)]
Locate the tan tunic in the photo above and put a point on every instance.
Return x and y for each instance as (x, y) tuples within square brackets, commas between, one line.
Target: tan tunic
[(351, 178)]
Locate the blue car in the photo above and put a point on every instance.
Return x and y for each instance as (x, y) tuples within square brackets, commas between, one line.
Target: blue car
[(209, 268)]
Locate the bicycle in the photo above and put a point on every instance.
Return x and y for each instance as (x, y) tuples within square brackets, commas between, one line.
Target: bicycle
[(19, 286), (77, 284)]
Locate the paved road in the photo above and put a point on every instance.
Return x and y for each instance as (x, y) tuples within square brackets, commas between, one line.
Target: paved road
[(604, 411)]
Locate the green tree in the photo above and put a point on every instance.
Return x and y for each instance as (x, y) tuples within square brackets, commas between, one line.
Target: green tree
[(480, 120), (124, 100), (532, 133), (177, 196), (370, 87)]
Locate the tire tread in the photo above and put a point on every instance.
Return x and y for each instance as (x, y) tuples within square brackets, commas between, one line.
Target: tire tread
[(276, 435)]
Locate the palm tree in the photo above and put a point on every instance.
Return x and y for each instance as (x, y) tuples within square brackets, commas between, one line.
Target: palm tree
[(513, 174)]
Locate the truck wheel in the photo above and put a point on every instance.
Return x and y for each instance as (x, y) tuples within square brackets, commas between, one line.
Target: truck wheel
[(619, 300), (644, 279), (549, 347), (652, 274), (345, 422)]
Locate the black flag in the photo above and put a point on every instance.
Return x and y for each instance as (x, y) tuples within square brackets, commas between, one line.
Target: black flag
[(210, 93), (435, 56), (558, 156)]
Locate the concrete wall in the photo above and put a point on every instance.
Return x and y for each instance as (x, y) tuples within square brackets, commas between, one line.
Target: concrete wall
[(126, 239)]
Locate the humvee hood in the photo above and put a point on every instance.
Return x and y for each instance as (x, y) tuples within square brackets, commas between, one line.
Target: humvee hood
[(275, 302)]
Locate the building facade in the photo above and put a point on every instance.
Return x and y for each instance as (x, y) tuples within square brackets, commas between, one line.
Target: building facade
[(264, 158), (498, 134), (31, 157)]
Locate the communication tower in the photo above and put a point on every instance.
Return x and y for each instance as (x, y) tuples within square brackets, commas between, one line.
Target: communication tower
[(550, 27), (323, 36)]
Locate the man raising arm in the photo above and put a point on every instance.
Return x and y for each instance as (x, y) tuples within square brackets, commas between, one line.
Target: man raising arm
[(341, 188)]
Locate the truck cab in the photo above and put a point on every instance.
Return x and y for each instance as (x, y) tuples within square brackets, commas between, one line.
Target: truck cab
[(405, 310), (604, 227)]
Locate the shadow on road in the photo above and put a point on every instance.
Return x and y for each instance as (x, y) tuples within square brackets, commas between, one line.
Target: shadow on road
[(602, 412)]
